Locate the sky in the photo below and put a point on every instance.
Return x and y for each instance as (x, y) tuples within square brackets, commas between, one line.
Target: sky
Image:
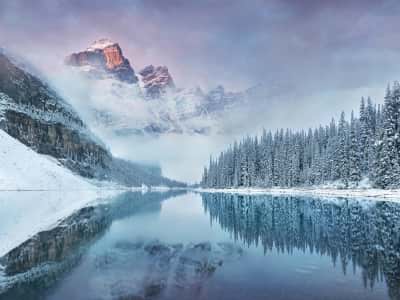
[(321, 55), (323, 44)]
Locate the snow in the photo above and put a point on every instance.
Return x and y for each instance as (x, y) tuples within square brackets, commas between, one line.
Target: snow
[(325, 192), (113, 107), (36, 192), (60, 111), (65, 115), (24, 169), (161, 188), (100, 44)]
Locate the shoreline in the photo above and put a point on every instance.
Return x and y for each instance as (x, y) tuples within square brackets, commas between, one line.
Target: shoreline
[(371, 194)]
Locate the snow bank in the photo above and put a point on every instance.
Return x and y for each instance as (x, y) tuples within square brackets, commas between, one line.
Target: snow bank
[(36, 192), (372, 194), (160, 188), (21, 168)]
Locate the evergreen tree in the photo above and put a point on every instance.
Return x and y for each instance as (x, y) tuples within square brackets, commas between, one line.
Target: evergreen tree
[(355, 161), (341, 151), (387, 171)]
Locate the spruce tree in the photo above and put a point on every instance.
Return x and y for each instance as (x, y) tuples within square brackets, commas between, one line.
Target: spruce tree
[(342, 151), (368, 146), (355, 154)]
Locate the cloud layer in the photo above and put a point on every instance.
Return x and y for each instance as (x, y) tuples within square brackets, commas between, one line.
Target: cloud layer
[(327, 44)]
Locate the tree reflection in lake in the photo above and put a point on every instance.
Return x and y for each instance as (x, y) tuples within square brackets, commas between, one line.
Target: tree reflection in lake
[(142, 247), (353, 233)]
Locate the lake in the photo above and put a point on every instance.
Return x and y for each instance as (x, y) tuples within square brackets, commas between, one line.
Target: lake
[(184, 245)]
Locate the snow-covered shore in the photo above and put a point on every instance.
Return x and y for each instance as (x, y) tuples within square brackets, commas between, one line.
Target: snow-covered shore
[(372, 194), (36, 192)]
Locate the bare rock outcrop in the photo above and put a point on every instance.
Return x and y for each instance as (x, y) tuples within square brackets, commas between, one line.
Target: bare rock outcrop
[(104, 58)]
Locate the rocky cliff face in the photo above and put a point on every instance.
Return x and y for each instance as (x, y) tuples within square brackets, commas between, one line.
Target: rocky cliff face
[(37, 116), (104, 58), (156, 80), (218, 99), (126, 109), (33, 113)]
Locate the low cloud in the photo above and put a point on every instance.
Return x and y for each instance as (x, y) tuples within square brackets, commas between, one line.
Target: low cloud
[(322, 55)]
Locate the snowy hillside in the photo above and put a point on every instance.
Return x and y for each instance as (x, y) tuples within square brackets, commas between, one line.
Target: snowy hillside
[(24, 169), (53, 193)]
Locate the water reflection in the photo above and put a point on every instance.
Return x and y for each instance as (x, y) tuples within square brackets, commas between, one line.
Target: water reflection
[(141, 247), (353, 233), (42, 260)]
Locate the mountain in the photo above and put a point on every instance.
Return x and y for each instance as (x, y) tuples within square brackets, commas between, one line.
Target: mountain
[(156, 80), (218, 99), (151, 104), (24, 169), (34, 114), (104, 58)]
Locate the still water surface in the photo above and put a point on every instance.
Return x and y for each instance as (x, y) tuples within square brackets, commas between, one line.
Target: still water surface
[(216, 246)]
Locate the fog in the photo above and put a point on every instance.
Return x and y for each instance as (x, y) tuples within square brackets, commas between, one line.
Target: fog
[(183, 156), (313, 59)]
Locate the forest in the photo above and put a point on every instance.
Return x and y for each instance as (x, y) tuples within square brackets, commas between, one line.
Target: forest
[(348, 153)]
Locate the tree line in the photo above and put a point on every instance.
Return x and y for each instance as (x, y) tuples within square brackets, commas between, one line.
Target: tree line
[(345, 152)]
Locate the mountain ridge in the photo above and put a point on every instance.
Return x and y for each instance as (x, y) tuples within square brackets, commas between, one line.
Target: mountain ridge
[(164, 107), (34, 114)]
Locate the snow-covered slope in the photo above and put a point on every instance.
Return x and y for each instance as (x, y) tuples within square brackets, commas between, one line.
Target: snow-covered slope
[(36, 115), (54, 192), (21, 168)]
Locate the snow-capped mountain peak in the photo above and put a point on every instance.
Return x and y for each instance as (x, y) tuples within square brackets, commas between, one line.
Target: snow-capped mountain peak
[(101, 44), (146, 102), (104, 58)]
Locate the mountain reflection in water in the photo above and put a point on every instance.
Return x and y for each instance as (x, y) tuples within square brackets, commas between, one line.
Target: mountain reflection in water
[(212, 246), (40, 261)]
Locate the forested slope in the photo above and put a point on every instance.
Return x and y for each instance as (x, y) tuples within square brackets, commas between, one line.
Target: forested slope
[(344, 152)]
